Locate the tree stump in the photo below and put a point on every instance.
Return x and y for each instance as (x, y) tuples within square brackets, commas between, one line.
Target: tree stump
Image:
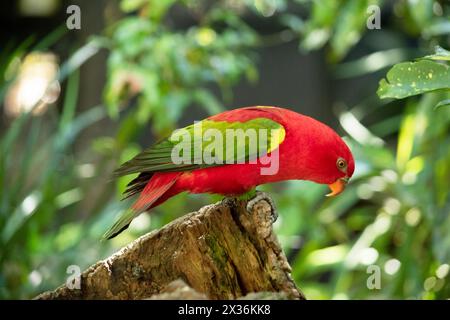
[(220, 252)]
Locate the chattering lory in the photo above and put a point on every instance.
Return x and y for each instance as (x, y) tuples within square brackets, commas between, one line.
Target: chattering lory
[(207, 157)]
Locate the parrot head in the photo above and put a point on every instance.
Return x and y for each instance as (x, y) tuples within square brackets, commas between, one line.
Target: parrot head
[(337, 165), (346, 166), (329, 159)]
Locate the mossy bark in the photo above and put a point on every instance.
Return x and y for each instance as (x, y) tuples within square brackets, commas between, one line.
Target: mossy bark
[(220, 251)]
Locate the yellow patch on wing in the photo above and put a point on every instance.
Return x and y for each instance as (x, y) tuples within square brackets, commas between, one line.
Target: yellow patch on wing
[(276, 138)]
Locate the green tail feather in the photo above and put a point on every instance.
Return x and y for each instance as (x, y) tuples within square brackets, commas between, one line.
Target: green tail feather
[(121, 224)]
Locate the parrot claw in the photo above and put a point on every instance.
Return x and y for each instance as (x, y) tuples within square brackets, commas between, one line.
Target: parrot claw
[(229, 201), (260, 195)]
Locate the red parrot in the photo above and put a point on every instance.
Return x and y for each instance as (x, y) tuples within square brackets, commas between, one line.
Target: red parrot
[(288, 146)]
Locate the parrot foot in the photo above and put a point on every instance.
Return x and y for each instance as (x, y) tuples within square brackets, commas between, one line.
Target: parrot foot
[(260, 195), (229, 201)]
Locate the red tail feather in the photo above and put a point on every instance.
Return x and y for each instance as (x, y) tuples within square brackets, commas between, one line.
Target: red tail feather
[(158, 185)]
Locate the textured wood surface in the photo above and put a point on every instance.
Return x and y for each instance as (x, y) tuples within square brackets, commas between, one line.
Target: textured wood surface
[(220, 252)]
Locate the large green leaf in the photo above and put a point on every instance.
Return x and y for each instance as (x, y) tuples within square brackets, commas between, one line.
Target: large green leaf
[(412, 78)]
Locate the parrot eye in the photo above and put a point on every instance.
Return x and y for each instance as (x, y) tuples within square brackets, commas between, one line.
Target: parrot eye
[(341, 164)]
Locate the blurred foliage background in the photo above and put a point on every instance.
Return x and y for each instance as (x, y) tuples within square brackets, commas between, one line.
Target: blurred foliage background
[(76, 103)]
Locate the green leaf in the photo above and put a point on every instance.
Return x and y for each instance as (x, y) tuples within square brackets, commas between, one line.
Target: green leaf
[(208, 101), (443, 103), (421, 12), (439, 54), (412, 78), (437, 28), (51, 38), (132, 5), (406, 137), (349, 25), (104, 145), (79, 57), (70, 99), (373, 62), (156, 9), (318, 28)]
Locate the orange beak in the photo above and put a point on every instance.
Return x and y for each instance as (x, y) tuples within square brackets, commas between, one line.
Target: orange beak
[(337, 187)]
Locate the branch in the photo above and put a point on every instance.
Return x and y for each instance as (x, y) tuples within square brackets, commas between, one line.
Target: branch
[(220, 251)]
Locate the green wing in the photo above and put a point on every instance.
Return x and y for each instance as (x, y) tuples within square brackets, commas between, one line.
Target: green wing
[(208, 143)]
